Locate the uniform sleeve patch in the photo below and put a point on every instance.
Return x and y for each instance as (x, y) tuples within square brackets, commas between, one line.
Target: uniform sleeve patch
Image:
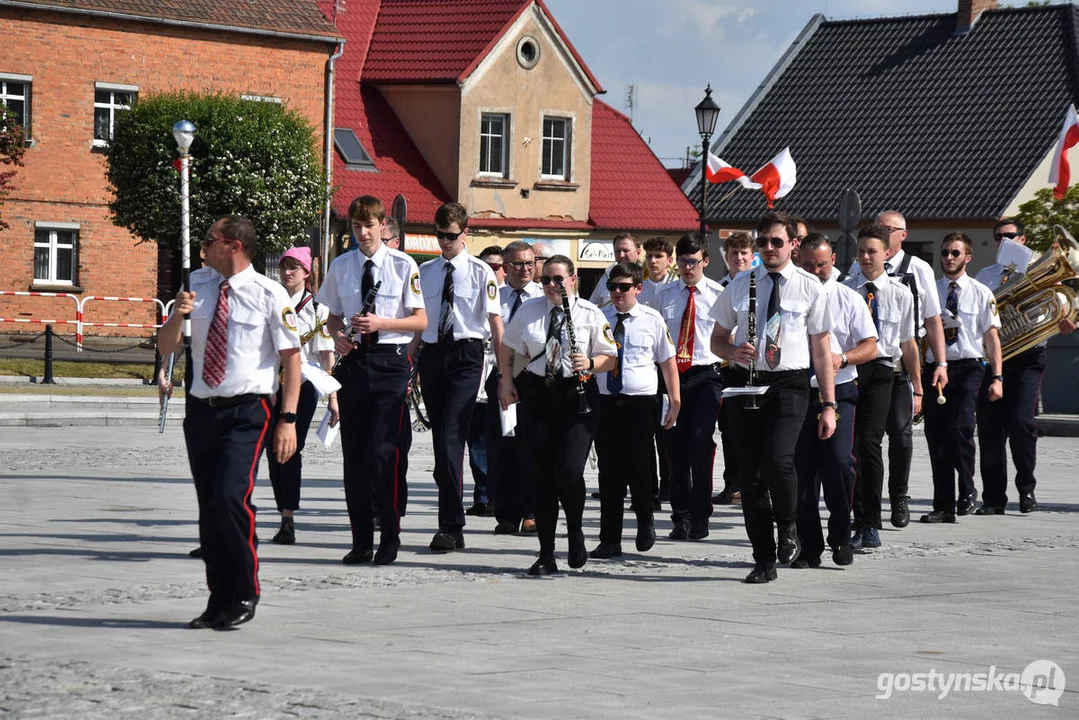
[(414, 283), (324, 330), (492, 289), (288, 317), (993, 306), (607, 334)]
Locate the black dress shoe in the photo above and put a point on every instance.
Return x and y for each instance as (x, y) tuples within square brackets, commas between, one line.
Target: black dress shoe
[(804, 563), (646, 537), (478, 509), (698, 530), (578, 555), (761, 573), (358, 557), (900, 512), (965, 506), (287, 534), (595, 495), (605, 551), (939, 516), (1027, 502), (543, 566), (726, 496), (790, 545), (240, 612), (987, 509), (196, 553), (445, 541), (506, 527), (387, 549), (207, 620), (843, 555), (680, 532)]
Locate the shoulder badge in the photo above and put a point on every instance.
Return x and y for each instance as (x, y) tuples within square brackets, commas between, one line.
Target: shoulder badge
[(607, 333), (668, 331), (324, 331), (993, 305), (492, 290), (288, 317), (414, 283)]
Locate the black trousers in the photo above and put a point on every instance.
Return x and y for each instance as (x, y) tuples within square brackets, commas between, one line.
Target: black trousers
[(558, 437), (404, 445), (661, 469), (827, 464), (765, 440), (691, 447), (1010, 419), (450, 375), (627, 425), (949, 431), (223, 449), (371, 400), (730, 457), (285, 477), (875, 390), (484, 430), (515, 486), (900, 430)]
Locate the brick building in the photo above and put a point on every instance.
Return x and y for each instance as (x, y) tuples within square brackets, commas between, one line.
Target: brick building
[(68, 66)]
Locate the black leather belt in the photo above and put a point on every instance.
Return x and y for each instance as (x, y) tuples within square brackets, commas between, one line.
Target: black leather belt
[(221, 402)]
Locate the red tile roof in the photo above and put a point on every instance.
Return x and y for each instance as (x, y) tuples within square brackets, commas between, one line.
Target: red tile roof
[(287, 16), (631, 189), (427, 41), (400, 167)]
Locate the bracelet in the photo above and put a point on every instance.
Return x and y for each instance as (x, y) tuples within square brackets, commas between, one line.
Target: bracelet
[(942, 363), (917, 394), (591, 364)]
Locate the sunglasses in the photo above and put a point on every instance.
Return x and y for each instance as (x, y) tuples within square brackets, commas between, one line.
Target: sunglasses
[(764, 241), (950, 253), (443, 235), (522, 264), (688, 262), (547, 280), (621, 287), (496, 266), (1006, 236)]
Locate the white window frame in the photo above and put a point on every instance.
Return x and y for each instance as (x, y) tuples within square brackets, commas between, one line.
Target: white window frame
[(26, 80), (54, 230), (567, 148), (485, 139), (112, 106)]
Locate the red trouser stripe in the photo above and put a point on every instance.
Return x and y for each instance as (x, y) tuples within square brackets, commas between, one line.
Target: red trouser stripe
[(247, 497)]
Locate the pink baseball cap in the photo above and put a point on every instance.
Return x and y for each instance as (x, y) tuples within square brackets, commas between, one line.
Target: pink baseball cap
[(301, 255)]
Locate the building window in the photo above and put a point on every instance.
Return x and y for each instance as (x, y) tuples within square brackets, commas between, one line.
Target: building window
[(55, 253), (351, 150), (557, 139), (109, 100), (15, 96), (261, 98), (494, 144)]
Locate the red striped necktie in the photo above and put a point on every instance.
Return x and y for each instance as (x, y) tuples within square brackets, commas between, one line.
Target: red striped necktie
[(687, 332), (217, 339)]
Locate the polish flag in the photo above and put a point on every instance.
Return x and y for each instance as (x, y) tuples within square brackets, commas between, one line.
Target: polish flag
[(777, 178), (1060, 173), (720, 171)]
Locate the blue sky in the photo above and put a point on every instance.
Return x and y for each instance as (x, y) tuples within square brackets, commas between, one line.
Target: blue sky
[(658, 45)]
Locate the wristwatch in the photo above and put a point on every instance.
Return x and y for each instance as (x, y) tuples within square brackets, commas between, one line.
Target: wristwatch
[(998, 377), (828, 403), (287, 417), (845, 361), (942, 363)]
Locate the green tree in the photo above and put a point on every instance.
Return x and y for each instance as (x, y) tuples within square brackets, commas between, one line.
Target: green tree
[(1041, 213), (12, 148), (256, 159)]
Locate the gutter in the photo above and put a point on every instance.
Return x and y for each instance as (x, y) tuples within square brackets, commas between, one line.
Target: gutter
[(170, 22), (328, 157)]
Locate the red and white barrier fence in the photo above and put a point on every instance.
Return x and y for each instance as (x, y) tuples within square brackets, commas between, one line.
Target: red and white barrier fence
[(80, 311)]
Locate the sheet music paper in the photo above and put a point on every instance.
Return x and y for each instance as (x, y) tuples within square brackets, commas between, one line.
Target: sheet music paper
[(326, 433), (1013, 253), (509, 420), (324, 382)]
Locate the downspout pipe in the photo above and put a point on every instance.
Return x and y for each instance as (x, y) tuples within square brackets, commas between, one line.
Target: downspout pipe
[(328, 159)]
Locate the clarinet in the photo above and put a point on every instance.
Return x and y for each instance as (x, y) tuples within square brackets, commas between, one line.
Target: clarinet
[(365, 309), (751, 337), (582, 376)]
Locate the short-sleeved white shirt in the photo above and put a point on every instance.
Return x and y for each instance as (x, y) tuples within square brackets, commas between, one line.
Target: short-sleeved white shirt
[(527, 333), (309, 317), (851, 324), (977, 314), (507, 296), (475, 295), (647, 342), (924, 279), (671, 303), (895, 304)]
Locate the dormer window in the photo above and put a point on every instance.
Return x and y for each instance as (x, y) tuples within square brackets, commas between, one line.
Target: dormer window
[(352, 150)]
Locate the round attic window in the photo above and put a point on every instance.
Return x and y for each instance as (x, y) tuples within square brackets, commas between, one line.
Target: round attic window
[(528, 52)]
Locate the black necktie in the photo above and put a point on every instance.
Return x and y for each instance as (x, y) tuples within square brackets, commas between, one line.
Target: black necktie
[(951, 335), (888, 268), (553, 368), (614, 377), (772, 328), (445, 313), (366, 284), (518, 295)]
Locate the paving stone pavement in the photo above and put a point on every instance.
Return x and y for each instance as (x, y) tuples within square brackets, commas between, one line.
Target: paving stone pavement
[(96, 587)]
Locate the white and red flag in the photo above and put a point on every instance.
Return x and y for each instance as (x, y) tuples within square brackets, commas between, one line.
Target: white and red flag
[(775, 179), (1060, 172), (720, 171)]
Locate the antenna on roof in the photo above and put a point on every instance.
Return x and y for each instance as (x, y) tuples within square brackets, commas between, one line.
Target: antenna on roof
[(631, 98), (338, 9)]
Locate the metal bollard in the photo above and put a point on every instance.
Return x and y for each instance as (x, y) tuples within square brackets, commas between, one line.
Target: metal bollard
[(47, 379)]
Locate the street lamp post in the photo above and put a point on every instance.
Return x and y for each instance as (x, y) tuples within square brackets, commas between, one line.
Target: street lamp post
[(184, 132), (707, 113)]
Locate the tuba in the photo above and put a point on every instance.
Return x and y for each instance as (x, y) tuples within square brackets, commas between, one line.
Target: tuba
[(1031, 304)]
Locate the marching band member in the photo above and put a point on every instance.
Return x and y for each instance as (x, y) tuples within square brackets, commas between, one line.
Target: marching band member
[(376, 307), (829, 464), (793, 334), (558, 399), (242, 331), (627, 248), (659, 264), (971, 332), (317, 349)]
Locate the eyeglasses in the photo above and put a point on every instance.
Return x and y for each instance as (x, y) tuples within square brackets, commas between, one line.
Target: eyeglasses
[(620, 286), (443, 235), (1006, 236), (547, 279), (210, 240), (522, 264), (389, 239), (764, 241), (688, 262), (496, 266), (891, 229), (950, 253)]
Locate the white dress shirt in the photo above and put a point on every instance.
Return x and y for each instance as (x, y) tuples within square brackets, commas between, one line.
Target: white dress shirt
[(475, 295), (924, 279), (650, 290), (527, 333), (852, 323), (397, 297), (993, 276), (671, 303), (977, 313), (895, 304), (803, 307), (507, 296), (647, 342), (308, 316), (601, 296), (261, 324)]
